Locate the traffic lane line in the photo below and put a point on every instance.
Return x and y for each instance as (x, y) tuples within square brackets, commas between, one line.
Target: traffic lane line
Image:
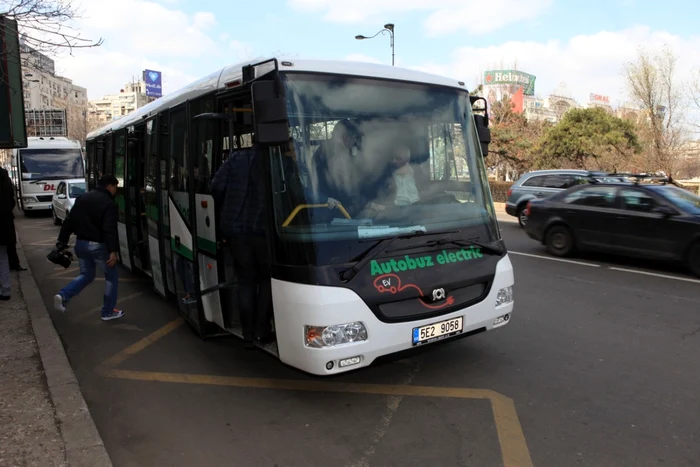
[(656, 274), (561, 260), (609, 267), (510, 433)]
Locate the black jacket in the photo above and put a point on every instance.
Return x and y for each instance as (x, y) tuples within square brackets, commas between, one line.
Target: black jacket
[(93, 218), (7, 204)]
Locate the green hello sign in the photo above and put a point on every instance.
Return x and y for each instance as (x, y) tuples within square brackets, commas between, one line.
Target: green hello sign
[(410, 263)]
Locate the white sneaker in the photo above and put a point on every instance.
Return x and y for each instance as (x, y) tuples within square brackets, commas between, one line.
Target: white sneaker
[(58, 303)]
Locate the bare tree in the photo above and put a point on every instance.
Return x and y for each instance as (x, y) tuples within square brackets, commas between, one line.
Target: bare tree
[(694, 94), (44, 25), (653, 86)]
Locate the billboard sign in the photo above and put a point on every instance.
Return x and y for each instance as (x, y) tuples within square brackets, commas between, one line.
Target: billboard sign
[(153, 80), (513, 77), (599, 98), (13, 127)]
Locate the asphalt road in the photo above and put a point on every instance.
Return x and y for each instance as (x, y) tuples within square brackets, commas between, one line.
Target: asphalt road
[(600, 363)]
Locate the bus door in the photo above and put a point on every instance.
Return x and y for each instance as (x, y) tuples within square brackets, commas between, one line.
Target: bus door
[(163, 200), (120, 198), (233, 124), (150, 199), (205, 155), (181, 202), (136, 184)]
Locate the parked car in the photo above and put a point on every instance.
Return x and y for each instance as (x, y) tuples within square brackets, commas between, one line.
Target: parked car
[(543, 183), (63, 200), (630, 219)]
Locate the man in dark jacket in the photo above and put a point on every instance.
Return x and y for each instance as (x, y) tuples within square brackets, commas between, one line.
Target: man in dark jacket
[(93, 219), (238, 189), (7, 232)]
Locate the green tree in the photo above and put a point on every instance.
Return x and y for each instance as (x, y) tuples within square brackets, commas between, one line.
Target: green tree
[(513, 139), (589, 139)]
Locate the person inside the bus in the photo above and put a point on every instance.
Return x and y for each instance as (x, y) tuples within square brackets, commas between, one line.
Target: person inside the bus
[(238, 189), (399, 187), (333, 162)]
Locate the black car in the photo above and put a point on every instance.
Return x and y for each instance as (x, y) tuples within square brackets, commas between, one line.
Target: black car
[(658, 221)]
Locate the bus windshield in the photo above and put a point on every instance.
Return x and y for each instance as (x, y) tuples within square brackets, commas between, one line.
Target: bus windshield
[(397, 157), (51, 164)]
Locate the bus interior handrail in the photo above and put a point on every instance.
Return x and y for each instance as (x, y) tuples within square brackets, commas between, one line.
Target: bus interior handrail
[(300, 207)]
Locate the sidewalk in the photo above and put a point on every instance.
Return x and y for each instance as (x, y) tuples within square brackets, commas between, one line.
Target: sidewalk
[(44, 420)]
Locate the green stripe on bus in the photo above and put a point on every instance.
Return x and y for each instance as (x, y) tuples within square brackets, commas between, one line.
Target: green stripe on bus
[(206, 245), (182, 250)]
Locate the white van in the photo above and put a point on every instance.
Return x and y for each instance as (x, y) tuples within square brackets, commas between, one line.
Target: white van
[(42, 166)]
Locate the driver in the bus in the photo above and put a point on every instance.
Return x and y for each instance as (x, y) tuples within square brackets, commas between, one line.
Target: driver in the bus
[(399, 187)]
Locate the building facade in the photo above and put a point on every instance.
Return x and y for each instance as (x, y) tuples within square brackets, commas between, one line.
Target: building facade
[(49, 97), (113, 107)]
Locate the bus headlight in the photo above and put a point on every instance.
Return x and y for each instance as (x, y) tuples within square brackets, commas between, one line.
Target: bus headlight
[(335, 334), (505, 296), (29, 199)]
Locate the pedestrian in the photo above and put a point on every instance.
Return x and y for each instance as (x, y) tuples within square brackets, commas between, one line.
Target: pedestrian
[(7, 232), (93, 219), (238, 189), (12, 256)]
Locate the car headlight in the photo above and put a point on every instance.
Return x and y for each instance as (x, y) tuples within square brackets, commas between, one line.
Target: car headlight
[(505, 296), (335, 334)]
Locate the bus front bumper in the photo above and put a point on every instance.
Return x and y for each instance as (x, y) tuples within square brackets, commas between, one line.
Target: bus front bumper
[(299, 305)]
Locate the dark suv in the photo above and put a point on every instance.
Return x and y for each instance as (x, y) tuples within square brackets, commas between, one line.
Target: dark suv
[(544, 183)]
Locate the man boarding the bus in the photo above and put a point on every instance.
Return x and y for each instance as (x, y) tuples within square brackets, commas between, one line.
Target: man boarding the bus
[(93, 219), (238, 189)]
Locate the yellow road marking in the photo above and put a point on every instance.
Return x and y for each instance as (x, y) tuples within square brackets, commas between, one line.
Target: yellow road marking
[(510, 433), (101, 279), (93, 311), (133, 349), (64, 272)]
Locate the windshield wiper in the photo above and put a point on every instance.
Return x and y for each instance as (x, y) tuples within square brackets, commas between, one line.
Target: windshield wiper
[(494, 247), (347, 274)]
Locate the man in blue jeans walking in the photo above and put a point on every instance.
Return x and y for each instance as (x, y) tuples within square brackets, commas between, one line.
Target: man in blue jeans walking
[(93, 219)]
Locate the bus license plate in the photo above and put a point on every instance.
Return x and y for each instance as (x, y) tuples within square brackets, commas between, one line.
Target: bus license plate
[(437, 331)]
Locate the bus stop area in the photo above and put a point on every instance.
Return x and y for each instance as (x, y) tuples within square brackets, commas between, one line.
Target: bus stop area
[(543, 391)]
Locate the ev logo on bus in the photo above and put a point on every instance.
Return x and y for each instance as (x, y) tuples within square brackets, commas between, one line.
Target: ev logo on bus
[(439, 294), (48, 187)]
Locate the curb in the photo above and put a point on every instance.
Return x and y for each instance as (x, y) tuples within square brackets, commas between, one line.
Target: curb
[(83, 444)]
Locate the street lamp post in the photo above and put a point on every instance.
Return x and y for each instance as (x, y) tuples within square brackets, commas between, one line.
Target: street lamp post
[(387, 28)]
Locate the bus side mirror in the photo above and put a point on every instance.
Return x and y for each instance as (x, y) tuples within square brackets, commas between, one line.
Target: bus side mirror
[(270, 110), (484, 132)]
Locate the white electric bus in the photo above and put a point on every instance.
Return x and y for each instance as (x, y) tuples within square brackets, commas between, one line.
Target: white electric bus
[(41, 166), (349, 284)]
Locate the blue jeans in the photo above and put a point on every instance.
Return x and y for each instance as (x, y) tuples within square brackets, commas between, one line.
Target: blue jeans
[(90, 255)]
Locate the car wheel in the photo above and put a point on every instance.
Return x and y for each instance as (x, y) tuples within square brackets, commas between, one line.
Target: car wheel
[(693, 259), (56, 220), (522, 217), (559, 240)]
